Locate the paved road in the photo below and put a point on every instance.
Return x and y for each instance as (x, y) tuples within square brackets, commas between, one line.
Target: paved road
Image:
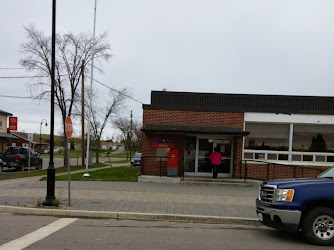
[(67, 233)]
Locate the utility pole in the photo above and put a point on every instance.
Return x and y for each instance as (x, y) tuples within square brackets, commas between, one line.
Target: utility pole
[(90, 92), (83, 113), (130, 133)]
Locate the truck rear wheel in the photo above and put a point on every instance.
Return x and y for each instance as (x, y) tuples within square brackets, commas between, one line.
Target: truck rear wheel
[(22, 167), (39, 166), (318, 226)]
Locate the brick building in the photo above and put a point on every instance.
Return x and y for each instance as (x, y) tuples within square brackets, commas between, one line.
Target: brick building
[(260, 136)]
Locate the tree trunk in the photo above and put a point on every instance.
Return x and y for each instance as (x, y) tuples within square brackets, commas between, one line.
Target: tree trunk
[(97, 151)]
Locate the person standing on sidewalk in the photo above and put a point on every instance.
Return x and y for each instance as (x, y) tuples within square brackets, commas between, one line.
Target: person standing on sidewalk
[(215, 159)]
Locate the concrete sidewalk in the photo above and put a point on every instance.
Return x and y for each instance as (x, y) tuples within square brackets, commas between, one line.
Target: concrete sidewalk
[(189, 200)]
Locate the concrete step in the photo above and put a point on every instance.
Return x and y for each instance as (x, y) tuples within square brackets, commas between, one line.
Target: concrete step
[(215, 182)]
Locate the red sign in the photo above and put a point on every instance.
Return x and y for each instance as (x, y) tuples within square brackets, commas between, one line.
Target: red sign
[(12, 123), (68, 127), (163, 142)]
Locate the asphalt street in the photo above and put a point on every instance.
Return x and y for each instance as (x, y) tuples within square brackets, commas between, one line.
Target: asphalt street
[(47, 232)]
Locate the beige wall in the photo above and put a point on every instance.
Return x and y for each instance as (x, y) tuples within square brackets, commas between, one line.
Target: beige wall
[(3, 124)]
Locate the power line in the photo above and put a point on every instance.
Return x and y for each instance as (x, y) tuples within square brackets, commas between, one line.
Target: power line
[(22, 77), (117, 91), (13, 96), (12, 68), (19, 77)]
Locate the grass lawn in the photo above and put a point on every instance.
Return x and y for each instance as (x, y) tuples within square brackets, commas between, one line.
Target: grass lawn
[(108, 174), (117, 162), (24, 174)]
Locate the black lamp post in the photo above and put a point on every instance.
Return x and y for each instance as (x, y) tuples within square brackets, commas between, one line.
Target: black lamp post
[(40, 132), (51, 171)]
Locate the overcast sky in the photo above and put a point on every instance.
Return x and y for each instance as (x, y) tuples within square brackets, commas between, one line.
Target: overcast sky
[(218, 46)]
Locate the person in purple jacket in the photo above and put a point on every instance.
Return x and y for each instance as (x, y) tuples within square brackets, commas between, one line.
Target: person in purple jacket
[(215, 159)]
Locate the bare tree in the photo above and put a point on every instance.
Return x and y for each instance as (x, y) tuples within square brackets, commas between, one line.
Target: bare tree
[(132, 138), (71, 51), (136, 136), (102, 114)]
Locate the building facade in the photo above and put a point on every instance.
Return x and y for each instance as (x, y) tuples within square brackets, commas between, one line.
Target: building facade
[(6, 139), (261, 136)]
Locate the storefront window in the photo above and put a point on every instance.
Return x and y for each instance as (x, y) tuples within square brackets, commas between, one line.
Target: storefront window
[(266, 136), (313, 138)]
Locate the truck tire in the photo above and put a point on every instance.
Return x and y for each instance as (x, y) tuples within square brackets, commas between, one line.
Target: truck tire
[(318, 226), (39, 166)]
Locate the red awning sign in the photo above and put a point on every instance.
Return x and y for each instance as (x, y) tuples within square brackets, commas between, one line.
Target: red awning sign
[(68, 127)]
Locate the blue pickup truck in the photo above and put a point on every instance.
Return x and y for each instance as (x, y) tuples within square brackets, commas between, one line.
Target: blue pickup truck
[(305, 205)]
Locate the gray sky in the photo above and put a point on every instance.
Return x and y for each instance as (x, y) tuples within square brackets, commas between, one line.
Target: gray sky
[(220, 46)]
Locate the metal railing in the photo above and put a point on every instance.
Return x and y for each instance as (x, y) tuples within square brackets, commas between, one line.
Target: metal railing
[(161, 163), (271, 169)]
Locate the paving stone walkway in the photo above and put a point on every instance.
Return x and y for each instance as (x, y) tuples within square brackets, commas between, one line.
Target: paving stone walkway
[(187, 199)]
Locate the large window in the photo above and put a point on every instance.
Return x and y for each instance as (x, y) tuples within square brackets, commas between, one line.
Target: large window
[(313, 138), (267, 136), (310, 142)]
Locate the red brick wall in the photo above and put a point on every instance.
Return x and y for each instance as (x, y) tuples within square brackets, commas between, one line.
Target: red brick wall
[(185, 118), (237, 157), (193, 118), (153, 166), (263, 172)]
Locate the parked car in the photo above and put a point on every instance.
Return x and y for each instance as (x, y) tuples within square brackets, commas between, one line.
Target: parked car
[(136, 159), (18, 157), (301, 204)]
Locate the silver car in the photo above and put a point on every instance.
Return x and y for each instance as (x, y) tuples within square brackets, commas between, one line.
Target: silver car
[(136, 159)]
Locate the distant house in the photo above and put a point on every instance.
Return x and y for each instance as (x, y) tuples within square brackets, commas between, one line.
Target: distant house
[(104, 145), (6, 139), (111, 145), (36, 142)]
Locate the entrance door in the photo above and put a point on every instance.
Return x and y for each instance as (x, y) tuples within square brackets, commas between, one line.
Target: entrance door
[(197, 153), (225, 149), (205, 148)]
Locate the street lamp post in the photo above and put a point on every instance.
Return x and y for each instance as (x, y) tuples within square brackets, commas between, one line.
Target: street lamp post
[(40, 132), (51, 171)]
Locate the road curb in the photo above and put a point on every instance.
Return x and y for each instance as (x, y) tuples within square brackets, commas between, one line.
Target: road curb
[(58, 212), (131, 216)]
